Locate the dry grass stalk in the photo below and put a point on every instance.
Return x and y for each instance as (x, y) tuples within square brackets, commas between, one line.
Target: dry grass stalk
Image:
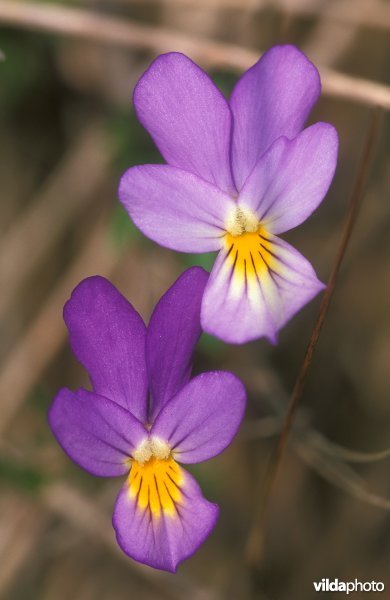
[(21, 524), (340, 474), (376, 13), (97, 27), (46, 334), (64, 195)]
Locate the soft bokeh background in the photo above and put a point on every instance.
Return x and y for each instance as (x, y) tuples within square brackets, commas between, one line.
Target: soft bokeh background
[(68, 131)]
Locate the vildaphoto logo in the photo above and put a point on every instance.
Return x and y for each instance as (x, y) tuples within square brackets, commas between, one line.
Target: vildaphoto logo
[(335, 585)]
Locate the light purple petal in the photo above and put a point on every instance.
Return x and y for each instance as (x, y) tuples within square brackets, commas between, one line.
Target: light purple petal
[(98, 434), (166, 540), (187, 117), (272, 99), (255, 288), (108, 337), (173, 333), (175, 208), (291, 179), (203, 418)]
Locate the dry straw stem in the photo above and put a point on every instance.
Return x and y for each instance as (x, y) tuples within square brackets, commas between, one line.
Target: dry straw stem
[(254, 546), (48, 214), (46, 334), (325, 457), (21, 526), (97, 27), (322, 445), (376, 13), (328, 41), (338, 473)]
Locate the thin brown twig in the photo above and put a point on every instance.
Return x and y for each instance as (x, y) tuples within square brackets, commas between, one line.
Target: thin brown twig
[(254, 545), (93, 26)]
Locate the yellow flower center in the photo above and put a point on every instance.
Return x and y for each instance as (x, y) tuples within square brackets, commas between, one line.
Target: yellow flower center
[(249, 247), (155, 478)]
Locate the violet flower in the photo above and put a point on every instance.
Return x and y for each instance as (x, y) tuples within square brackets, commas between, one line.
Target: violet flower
[(160, 516), (238, 174)]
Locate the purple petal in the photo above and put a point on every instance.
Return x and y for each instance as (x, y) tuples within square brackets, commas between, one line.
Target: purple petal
[(203, 418), (108, 337), (175, 208), (98, 434), (173, 333), (272, 99), (187, 117), (165, 538), (291, 179), (257, 284)]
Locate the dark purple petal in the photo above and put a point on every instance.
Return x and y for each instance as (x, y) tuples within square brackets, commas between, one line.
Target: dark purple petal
[(164, 541), (173, 333), (98, 434), (202, 419), (175, 208), (272, 99), (108, 337), (291, 179), (255, 288), (187, 117)]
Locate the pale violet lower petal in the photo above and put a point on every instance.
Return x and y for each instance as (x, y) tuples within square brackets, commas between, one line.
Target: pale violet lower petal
[(257, 284)]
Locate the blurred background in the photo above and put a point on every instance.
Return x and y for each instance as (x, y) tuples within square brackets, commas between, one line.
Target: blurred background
[(68, 131)]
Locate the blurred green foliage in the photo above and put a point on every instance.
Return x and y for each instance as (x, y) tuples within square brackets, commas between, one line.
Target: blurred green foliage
[(131, 144), (224, 80), (21, 70), (122, 229), (20, 475)]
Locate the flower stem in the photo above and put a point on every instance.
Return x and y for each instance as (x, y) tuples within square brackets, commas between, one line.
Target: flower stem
[(255, 540)]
